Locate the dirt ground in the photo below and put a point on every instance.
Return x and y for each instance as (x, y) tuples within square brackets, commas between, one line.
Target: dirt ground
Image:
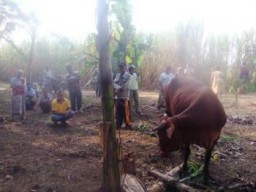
[(37, 157)]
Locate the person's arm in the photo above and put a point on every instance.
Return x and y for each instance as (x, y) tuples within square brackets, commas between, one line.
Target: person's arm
[(37, 103), (68, 107), (160, 81), (117, 86), (12, 84), (25, 87), (126, 83)]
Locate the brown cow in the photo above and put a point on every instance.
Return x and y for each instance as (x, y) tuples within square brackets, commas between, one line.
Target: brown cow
[(195, 116)]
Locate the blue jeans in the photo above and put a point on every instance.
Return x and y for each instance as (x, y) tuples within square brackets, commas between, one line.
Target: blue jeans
[(62, 118)]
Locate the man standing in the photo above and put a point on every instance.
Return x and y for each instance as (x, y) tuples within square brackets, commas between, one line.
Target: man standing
[(164, 80), (217, 78), (74, 88), (19, 88), (134, 89), (96, 80), (121, 85), (244, 73)]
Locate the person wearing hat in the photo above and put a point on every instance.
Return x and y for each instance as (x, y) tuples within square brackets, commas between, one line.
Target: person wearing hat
[(121, 86), (134, 90), (19, 88), (74, 88)]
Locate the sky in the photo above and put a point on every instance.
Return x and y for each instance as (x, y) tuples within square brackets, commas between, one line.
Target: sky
[(76, 18)]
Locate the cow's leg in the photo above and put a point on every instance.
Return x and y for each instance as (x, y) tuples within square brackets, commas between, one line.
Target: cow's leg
[(208, 153), (186, 153)]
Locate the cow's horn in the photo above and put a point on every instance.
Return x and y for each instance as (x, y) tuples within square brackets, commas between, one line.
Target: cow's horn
[(160, 126)]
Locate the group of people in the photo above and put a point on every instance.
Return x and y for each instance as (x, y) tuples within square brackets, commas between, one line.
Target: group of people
[(50, 99), (127, 94)]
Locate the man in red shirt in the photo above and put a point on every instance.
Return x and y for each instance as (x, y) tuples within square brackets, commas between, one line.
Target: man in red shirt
[(19, 88)]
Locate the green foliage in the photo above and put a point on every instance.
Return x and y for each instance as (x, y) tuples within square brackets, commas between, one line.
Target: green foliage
[(226, 138), (151, 53), (142, 127), (194, 167), (127, 45), (53, 52), (251, 87)]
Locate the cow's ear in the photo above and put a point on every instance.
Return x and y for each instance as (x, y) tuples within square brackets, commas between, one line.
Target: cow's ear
[(170, 130)]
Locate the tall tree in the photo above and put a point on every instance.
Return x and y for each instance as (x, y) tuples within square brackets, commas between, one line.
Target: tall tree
[(111, 175)]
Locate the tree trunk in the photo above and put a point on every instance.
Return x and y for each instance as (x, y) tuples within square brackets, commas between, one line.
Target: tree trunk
[(111, 174), (31, 55)]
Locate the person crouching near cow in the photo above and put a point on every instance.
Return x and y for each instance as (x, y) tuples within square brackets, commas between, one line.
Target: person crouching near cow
[(121, 86), (19, 89), (61, 111), (44, 101)]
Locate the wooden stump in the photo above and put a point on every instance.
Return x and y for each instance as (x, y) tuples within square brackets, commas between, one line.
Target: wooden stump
[(130, 183)]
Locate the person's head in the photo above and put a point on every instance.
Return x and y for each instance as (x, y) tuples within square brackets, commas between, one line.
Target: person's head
[(132, 69), (69, 68), (29, 85), (19, 73), (60, 95), (180, 70), (168, 69), (122, 67), (46, 68), (244, 65), (217, 68)]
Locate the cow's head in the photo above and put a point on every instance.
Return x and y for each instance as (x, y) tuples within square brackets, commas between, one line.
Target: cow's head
[(169, 139)]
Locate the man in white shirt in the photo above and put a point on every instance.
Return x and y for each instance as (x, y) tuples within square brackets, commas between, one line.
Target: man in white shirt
[(134, 89), (164, 80)]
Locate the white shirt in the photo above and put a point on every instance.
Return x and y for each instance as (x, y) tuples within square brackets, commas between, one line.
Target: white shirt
[(133, 82), (165, 79)]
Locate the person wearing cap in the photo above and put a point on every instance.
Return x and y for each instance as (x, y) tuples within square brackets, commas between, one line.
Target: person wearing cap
[(134, 89), (74, 88), (19, 88), (164, 80), (121, 86)]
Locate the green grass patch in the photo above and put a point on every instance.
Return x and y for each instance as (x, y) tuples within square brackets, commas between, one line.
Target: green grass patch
[(194, 167), (227, 138), (142, 127)]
